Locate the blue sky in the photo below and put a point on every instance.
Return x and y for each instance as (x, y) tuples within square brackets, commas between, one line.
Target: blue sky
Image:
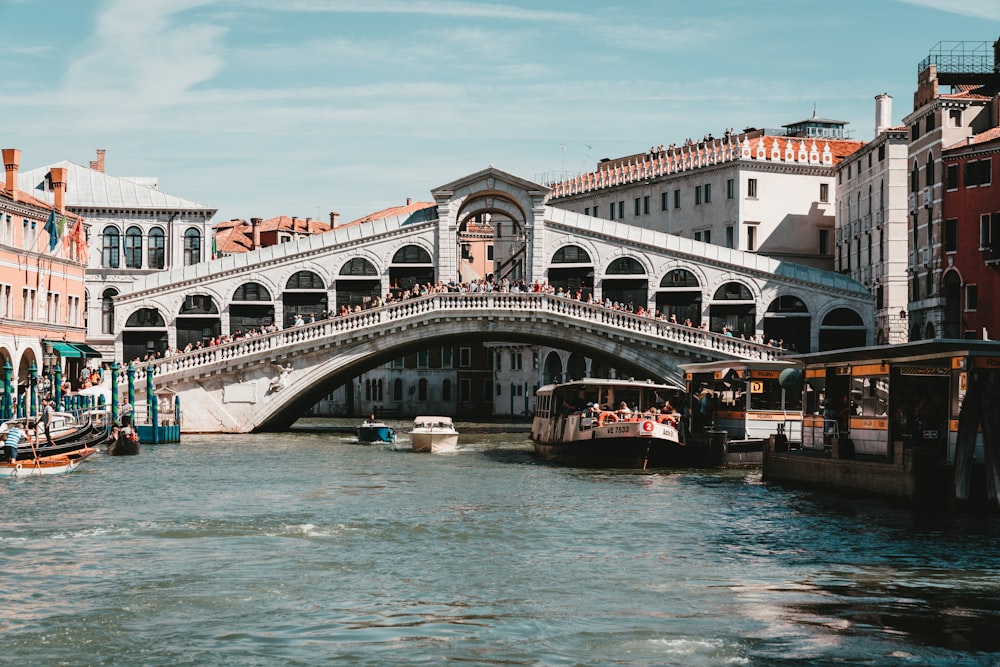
[(302, 107)]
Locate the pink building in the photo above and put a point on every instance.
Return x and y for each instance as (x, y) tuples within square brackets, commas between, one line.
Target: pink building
[(43, 255)]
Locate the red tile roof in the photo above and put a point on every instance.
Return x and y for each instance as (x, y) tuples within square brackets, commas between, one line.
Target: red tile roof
[(405, 209)]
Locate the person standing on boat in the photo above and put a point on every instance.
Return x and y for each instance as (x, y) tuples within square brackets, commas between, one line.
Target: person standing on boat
[(48, 411)]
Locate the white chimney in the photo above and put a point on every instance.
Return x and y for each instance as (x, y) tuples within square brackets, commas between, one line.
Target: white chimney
[(883, 113)]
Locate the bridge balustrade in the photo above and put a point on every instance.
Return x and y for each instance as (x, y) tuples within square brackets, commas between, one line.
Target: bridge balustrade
[(459, 302)]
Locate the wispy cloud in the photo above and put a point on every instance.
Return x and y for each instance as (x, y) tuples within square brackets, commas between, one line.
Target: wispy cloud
[(456, 8), (142, 56), (983, 9)]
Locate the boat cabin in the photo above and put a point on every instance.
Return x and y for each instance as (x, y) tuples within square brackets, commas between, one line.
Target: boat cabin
[(877, 401), (750, 400)]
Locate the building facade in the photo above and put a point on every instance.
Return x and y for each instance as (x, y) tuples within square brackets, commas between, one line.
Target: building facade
[(135, 231), (938, 121), (871, 236), (42, 263), (770, 192), (971, 238)]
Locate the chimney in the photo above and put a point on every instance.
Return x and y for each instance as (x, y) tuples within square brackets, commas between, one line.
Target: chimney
[(11, 162), (58, 176), (883, 113), (334, 218), (409, 200), (98, 164), (255, 224)]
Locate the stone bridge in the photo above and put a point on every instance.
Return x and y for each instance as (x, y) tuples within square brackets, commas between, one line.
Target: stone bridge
[(266, 382)]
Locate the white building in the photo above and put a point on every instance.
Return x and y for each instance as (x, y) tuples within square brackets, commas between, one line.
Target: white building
[(770, 192), (134, 230), (872, 221)]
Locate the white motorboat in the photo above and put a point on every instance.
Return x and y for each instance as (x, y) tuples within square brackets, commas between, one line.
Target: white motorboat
[(434, 434)]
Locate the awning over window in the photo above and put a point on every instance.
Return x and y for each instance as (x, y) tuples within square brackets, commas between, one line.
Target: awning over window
[(73, 350), (65, 350)]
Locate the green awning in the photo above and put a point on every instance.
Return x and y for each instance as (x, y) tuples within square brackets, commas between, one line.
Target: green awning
[(65, 350), (88, 352)]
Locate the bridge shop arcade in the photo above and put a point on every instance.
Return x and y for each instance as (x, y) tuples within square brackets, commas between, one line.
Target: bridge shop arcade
[(919, 422)]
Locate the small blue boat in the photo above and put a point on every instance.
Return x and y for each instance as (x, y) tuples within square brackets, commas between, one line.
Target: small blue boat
[(374, 432)]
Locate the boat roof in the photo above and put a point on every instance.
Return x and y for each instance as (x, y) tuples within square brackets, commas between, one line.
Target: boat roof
[(737, 364), (432, 418), (604, 382), (903, 352)]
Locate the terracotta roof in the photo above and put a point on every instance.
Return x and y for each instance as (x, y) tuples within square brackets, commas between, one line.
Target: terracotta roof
[(229, 224), (232, 241), (25, 198), (983, 137), (300, 225), (405, 209), (965, 96)]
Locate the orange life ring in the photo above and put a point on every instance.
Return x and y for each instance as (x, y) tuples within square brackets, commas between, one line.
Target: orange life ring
[(667, 419), (606, 418)]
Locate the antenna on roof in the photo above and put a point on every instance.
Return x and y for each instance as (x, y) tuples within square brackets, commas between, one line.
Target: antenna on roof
[(814, 109)]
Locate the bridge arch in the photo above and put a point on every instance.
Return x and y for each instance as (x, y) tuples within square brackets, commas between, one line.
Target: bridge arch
[(571, 266), (733, 308), (841, 327), (197, 320), (787, 319), (680, 294), (306, 294), (250, 306), (625, 279), (411, 264), (358, 283), (144, 333)]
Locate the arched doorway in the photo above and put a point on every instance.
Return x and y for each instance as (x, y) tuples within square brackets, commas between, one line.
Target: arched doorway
[(842, 328), (197, 321), (357, 284), (680, 295), (251, 308), (787, 322), (951, 289), (576, 367), (631, 291), (145, 334), (305, 295), (553, 368), (572, 270), (411, 266), (733, 308)]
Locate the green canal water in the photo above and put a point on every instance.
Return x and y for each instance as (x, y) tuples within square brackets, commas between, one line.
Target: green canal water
[(306, 548)]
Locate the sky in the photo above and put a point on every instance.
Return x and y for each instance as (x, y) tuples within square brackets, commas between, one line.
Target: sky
[(261, 108)]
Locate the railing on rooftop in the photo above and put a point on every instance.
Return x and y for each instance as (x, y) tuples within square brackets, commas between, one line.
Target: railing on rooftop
[(458, 302), (960, 58)]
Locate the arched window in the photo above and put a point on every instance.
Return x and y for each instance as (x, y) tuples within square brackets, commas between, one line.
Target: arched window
[(625, 266), (111, 248), (733, 292), (679, 278), (446, 390), (411, 254), (251, 292), (133, 248), (571, 254), (108, 311), (192, 247), (422, 390), (157, 252), (397, 390), (358, 266), (145, 318), (305, 280)]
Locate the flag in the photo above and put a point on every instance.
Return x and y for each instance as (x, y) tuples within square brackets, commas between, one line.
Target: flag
[(52, 230), (62, 225), (215, 248), (78, 237)]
